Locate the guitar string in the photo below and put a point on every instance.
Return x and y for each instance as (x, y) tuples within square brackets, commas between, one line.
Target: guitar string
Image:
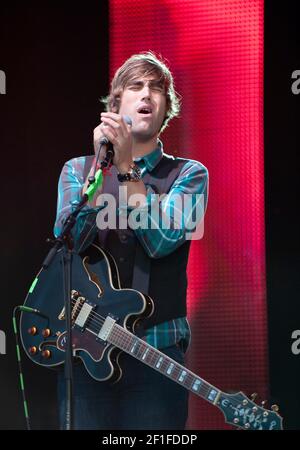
[(205, 390), (166, 361), (128, 340), (96, 319), (121, 333)]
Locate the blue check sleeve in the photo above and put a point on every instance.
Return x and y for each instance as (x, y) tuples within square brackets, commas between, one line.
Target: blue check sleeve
[(167, 222), (69, 194)]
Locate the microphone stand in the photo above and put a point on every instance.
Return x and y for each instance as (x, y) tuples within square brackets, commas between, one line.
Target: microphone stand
[(64, 242)]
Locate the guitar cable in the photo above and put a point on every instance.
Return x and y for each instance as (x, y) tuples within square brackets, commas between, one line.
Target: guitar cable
[(20, 369)]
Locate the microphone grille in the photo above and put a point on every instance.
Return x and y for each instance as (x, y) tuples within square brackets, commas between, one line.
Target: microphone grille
[(127, 120), (104, 141)]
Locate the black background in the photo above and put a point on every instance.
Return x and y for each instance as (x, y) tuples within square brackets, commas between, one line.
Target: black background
[(55, 57), (282, 143)]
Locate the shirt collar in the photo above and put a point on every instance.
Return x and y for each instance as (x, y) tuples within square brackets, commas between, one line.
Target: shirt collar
[(152, 159)]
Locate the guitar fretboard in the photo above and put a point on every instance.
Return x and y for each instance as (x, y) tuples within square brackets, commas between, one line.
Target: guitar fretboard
[(162, 363)]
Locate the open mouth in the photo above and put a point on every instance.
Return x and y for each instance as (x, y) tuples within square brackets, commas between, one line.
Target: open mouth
[(145, 110)]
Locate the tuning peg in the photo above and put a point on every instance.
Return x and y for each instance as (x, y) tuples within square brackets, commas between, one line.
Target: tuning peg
[(253, 396), (275, 408), (263, 403)]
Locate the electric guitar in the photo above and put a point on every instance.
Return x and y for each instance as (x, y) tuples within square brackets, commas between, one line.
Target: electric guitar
[(105, 319)]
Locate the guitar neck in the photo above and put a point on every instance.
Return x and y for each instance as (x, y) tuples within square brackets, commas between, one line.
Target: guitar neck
[(162, 363)]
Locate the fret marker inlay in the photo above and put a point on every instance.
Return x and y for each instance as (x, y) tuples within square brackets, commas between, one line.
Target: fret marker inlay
[(159, 362), (183, 374), (196, 385), (212, 395), (134, 347), (145, 353), (170, 368)]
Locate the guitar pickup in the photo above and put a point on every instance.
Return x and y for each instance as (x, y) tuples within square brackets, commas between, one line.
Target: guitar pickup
[(106, 328), (83, 315)]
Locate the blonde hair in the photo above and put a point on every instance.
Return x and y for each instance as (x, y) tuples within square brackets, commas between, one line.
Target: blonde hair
[(143, 64)]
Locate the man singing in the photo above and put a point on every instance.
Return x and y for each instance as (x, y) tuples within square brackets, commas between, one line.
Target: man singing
[(152, 259)]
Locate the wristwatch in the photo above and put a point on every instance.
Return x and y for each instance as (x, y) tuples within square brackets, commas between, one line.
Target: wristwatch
[(134, 174)]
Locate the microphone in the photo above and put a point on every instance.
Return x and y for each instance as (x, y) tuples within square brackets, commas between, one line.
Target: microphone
[(105, 163), (110, 150), (105, 141)]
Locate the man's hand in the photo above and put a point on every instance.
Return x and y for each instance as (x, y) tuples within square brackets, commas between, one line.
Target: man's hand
[(92, 203), (98, 135), (118, 132)]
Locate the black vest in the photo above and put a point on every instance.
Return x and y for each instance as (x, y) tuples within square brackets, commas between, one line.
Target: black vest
[(164, 279)]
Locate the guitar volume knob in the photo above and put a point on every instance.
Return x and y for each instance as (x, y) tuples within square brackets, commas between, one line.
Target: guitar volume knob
[(32, 331), (33, 350), (46, 332), (46, 354)]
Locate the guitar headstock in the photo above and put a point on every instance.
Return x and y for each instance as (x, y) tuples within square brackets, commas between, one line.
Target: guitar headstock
[(243, 413)]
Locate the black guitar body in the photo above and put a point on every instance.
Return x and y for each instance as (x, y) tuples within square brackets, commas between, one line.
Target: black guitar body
[(105, 322), (95, 287)]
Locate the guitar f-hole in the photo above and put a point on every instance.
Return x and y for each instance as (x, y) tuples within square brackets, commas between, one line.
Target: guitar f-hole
[(93, 277)]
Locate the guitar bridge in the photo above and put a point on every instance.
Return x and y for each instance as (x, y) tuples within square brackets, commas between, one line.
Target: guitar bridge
[(79, 302)]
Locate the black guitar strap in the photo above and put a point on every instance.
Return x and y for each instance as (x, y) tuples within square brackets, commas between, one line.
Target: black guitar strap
[(141, 271), (142, 263), (161, 179)]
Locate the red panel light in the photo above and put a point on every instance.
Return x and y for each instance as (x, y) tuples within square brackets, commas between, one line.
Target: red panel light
[(215, 51)]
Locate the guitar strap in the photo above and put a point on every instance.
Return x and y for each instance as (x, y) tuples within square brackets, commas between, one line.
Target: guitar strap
[(142, 263), (160, 184), (141, 271)]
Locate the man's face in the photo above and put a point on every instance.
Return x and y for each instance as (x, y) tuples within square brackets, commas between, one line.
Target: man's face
[(144, 101)]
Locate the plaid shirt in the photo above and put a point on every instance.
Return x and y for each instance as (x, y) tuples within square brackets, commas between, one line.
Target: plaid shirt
[(157, 242)]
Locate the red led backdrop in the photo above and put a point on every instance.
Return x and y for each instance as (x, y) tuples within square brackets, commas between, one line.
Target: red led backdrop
[(215, 51)]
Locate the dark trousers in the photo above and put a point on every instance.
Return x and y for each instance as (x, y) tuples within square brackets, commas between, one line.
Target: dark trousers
[(143, 398)]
